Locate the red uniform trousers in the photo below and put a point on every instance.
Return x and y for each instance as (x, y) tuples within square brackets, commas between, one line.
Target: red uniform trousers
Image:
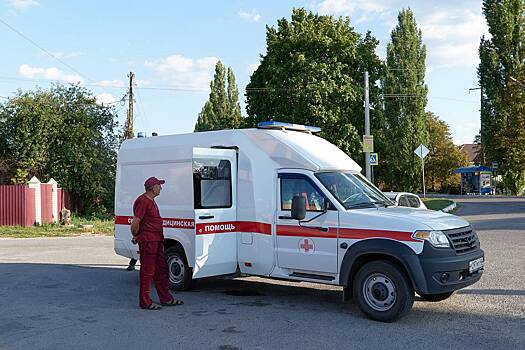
[(153, 267)]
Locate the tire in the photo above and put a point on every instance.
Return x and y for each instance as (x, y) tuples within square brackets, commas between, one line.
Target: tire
[(435, 297), (382, 291), (179, 272)]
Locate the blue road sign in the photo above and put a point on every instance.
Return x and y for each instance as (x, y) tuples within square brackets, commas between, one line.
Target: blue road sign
[(374, 159)]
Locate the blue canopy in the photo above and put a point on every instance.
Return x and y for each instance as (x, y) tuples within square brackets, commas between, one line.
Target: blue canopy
[(472, 169)]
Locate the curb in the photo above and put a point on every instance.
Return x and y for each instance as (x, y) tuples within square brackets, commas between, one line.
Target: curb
[(449, 208)]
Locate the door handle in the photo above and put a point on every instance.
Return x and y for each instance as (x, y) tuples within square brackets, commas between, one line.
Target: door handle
[(206, 217), (324, 229)]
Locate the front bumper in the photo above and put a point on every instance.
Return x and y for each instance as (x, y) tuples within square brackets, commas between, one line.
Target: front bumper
[(434, 263)]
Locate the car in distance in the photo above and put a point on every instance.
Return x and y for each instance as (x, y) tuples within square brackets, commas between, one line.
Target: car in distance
[(406, 199)]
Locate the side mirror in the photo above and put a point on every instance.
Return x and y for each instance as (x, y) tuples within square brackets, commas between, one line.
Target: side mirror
[(298, 207)]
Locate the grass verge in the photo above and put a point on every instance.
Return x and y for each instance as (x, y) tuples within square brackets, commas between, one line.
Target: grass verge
[(437, 203), (100, 226)]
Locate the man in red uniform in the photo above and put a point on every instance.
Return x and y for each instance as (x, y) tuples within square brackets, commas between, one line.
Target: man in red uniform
[(146, 229)]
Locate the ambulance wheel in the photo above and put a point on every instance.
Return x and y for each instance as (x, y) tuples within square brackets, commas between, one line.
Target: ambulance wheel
[(382, 291), (179, 271), (435, 297)]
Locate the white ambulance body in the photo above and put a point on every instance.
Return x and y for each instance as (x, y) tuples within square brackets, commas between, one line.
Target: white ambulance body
[(226, 209)]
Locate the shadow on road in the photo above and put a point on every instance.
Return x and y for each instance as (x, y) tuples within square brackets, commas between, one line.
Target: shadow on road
[(492, 292), (45, 300)]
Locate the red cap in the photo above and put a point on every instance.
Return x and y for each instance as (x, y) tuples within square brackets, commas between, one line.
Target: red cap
[(152, 181)]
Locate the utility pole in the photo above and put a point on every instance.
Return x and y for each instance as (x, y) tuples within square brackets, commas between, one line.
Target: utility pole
[(368, 169), (128, 127), (480, 88), (423, 171)]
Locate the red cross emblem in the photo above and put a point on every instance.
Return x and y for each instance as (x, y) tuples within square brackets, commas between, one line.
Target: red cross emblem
[(306, 246)]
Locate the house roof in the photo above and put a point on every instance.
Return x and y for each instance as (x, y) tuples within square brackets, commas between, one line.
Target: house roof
[(471, 149)]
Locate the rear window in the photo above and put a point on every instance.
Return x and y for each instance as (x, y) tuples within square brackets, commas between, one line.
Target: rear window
[(413, 201)]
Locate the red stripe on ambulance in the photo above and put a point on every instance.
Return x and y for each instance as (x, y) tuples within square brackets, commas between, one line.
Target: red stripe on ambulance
[(208, 228), (234, 226), (357, 233), (166, 222), (298, 231), (348, 233)]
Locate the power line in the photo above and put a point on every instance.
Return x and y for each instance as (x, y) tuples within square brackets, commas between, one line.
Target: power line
[(186, 89), (103, 86), (141, 106), (192, 89), (43, 49)]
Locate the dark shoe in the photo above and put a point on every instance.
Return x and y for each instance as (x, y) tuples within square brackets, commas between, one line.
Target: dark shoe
[(130, 268)]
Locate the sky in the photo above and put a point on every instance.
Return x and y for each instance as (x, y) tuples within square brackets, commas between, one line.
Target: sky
[(172, 47)]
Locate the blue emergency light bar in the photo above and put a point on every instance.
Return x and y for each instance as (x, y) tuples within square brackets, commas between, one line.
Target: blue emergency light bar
[(288, 126)]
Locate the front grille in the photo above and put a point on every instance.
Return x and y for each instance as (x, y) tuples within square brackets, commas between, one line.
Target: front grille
[(463, 239)]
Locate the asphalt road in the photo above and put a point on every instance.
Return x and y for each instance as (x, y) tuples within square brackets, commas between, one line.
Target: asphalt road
[(65, 293)]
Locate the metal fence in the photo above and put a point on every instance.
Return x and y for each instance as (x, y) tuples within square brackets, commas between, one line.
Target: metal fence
[(34, 203), (17, 205)]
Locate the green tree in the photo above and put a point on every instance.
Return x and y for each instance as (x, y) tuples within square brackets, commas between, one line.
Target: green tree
[(62, 133), (444, 157), (501, 75), (234, 108), (313, 74), (405, 102), (222, 110)]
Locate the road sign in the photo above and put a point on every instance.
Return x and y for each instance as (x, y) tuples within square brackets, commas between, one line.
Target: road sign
[(421, 151), (495, 165), (374, 159), (368, 143)]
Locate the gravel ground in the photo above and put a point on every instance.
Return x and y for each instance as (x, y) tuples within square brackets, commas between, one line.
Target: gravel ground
[(63, 293)]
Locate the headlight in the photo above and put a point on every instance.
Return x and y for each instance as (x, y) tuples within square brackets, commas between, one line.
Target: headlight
[(437, 238)]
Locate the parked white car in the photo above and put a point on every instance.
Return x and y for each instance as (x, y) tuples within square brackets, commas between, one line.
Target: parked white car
[(406, 199)]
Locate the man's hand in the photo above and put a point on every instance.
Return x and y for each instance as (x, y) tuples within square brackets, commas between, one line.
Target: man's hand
[(135, 229)]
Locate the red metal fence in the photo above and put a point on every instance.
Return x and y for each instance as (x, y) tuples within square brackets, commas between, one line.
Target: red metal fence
[(17, 205), (65, 200)]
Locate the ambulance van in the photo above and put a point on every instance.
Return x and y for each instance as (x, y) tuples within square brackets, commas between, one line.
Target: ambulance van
[(280, 202)]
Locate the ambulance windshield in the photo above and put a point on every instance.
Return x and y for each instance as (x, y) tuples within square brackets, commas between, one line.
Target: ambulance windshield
[(353, 190)]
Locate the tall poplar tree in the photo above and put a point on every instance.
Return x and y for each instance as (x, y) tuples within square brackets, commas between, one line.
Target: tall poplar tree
[(405, 94), (222, 110), (501, 76), (234, 108)]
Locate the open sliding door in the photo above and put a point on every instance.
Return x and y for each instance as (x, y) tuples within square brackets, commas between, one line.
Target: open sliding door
[(215, 197)]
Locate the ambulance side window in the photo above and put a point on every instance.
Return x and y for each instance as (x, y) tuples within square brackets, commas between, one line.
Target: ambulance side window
[(291, 187), (212, 186)]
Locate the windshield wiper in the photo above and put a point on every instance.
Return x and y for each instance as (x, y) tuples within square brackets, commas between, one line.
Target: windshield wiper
[(361, 205)]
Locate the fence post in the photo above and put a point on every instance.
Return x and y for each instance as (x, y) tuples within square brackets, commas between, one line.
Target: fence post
[(54, 198), (35, 183)]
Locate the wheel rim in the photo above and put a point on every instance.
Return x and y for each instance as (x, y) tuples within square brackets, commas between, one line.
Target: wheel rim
[(176, 268), (379, 292)]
